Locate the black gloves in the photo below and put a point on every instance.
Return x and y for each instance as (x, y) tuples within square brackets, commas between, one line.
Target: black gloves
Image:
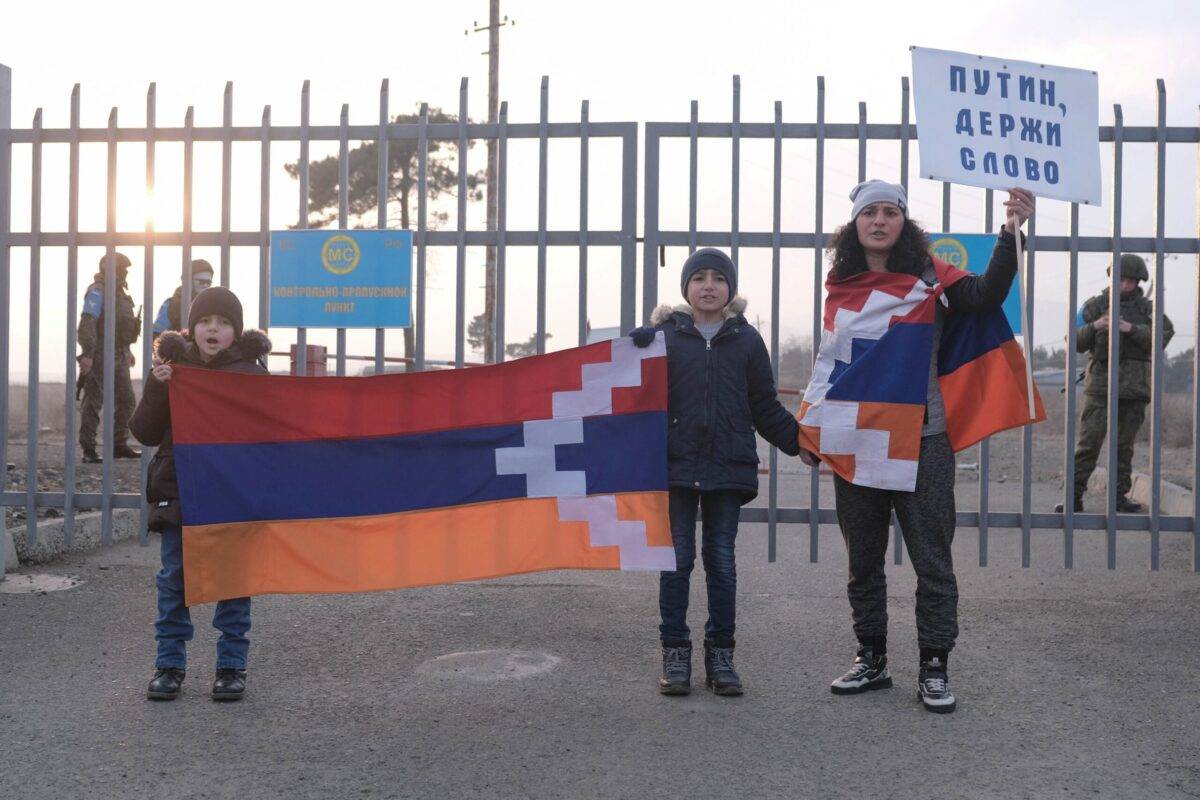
[(642, 336)]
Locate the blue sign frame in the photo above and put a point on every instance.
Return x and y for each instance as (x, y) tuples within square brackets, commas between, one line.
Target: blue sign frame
[(341, 279), (972, 252)]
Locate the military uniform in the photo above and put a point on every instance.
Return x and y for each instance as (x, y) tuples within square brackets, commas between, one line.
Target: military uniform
[(91, 383), (1133, 380), (169, 316)]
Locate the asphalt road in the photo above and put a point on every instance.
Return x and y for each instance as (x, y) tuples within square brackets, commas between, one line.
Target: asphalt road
[(1070, 684)]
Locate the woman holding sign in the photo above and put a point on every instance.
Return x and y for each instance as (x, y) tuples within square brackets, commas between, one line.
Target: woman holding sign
[(916, 363)]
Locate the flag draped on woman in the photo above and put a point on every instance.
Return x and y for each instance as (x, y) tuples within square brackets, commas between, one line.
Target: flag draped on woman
[(865, 406), (322, 484)]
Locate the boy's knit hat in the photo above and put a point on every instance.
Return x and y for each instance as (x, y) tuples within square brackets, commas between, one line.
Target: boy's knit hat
[(877, 191), (217, 300), (709, 258)]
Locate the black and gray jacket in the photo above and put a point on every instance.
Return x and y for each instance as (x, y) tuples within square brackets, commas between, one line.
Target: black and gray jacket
[(718, 393)]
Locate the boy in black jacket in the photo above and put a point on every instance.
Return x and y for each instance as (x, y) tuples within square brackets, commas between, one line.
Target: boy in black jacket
[(720, 390), (216, 341)]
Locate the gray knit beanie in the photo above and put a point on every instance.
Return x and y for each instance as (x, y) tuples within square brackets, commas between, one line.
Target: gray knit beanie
[(709, 258), (877, 191)]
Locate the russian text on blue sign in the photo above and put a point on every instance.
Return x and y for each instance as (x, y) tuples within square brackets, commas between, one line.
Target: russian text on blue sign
[(971, 252), (341, 279)]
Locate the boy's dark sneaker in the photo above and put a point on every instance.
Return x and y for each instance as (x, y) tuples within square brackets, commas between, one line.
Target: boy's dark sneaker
[(166, 684), (933, 687), (90, 456), (677, 668), (125, 451), (229, 684), (869, 671), (1127, 506), (719, 674)]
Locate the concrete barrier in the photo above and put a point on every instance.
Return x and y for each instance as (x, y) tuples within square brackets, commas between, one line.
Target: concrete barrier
[(51, 543), (1175, 500)]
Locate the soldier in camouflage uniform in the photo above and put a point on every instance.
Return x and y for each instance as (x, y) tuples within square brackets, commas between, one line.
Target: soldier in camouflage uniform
[(169, 318), (1137, 343), (91, 364)]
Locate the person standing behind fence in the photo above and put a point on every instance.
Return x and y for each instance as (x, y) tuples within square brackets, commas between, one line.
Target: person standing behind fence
[(90, 384), (170, 317), (1133, 392), (881, 237), (720, 389), (215, 341)]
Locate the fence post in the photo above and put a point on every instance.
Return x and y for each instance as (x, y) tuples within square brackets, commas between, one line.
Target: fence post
[(5, 222)]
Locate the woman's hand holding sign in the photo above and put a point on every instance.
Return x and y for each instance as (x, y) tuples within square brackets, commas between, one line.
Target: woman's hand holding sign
[(1019, 207)]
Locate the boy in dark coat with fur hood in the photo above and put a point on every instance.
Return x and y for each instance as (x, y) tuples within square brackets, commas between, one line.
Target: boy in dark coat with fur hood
[(720, 389), (216, 341)]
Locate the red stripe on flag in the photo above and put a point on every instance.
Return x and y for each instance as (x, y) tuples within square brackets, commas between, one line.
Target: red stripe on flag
[(282, 408)]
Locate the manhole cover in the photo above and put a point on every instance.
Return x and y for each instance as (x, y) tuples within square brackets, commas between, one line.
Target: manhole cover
[(30, 584), (490, 666)]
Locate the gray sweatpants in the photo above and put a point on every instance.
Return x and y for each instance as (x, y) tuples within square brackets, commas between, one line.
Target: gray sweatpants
[(927, 520)]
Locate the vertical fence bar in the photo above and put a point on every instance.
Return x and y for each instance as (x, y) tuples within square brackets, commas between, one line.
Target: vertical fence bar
[(460, 243), (264, 220), (1069, 391), (735, 137), (302, 218), (1027, 430), (776, 230), (109, 334), (69, 432), (1114, 342), (862, 142), (189, 121), (583, 223), (1196, 397), (148, 298), (5, 267), (226, 179), (501, 228), (381, 202), (629, 183), (35, 305), (905, 133), (1157, 356), (814, 475), (650, 227), (543, 148), (422, 220), (343, 210), (985, 445), (693, 173)]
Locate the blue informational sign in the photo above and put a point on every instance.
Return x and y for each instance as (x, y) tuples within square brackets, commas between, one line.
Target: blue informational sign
[(341, 279), (972, 252)]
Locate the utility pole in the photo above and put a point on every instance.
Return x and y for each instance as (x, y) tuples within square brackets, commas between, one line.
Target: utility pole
[(493, 156)]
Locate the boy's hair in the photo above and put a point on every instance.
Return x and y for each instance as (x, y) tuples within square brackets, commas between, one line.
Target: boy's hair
[(909, 255)]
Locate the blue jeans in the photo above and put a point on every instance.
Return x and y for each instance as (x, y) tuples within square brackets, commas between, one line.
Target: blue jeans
[(173, 628), (720, 511)]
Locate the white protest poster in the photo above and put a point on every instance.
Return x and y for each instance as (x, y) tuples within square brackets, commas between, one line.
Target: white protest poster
[(999, 123)]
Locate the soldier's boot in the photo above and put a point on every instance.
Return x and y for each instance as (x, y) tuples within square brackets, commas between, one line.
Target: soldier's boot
[(1127, 506), (90, 456), (1078, 503), (125, 451)]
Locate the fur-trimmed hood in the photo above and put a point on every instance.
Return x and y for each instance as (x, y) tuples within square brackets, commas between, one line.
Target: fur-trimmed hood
[(662, 313), (175, 346)]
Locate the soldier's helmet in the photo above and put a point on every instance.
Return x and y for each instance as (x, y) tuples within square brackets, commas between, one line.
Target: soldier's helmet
[(1132, 266), (122, 260)]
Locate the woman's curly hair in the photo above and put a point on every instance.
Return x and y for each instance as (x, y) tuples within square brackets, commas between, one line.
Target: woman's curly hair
[(909, 255)]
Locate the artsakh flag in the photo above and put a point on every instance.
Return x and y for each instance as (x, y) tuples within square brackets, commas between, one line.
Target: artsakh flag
[(864, 408), (321, 484)]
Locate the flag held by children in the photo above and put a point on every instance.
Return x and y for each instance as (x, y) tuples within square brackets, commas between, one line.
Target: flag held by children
[(865, 406), (314, 484)]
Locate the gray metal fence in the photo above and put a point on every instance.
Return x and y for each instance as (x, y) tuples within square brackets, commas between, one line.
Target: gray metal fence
[(581, 239), (734, 238)]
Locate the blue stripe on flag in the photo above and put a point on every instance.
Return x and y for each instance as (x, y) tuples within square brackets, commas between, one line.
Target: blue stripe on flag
[(968, 336), (891, 369), (384, 475)]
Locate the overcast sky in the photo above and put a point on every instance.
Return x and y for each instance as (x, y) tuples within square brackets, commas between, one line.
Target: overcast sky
[(634, 61)]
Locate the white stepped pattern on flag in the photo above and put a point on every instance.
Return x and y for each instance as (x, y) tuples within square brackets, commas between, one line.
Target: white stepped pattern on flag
[(536, 457), (838, 419)]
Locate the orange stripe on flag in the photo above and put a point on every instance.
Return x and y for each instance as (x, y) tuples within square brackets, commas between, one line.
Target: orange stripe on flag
[(988, 395), (392, 551), (901, 420)]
